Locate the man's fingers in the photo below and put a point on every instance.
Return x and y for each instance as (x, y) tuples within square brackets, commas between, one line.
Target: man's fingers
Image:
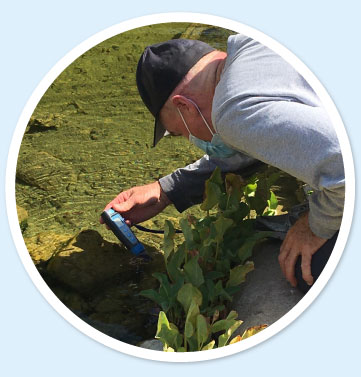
[(289, 267), (284, 251), (282, 259), (306, 269), (125, 206)]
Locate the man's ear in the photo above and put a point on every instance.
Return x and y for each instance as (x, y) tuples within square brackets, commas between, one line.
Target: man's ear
[(183, 104)]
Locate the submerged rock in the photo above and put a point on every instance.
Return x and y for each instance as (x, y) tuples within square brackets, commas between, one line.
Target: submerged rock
[(42, 170), (114, 330), (88, 262), (41, 125), (44, 245)]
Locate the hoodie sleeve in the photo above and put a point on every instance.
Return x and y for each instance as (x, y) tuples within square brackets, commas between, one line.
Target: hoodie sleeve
[(185, 186)]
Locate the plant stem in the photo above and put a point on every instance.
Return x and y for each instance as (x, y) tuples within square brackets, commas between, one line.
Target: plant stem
[(229, 195)]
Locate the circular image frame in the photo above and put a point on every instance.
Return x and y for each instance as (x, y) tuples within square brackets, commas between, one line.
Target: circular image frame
[(67, 313)]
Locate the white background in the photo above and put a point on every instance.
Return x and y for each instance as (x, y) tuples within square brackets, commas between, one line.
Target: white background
[(35, 340)]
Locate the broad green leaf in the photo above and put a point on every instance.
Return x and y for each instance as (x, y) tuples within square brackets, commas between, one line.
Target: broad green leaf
[(222, 325), (213, 275), (223, 265), (218, 287), (225, 295), (211, 292), (212, 196), (175, 262), (192, 344), (223, 339), (233, 182), (188, 329), (246, 249), (153, 295), (187, 232), (216, 177), (168, 242), (175, 288), (193, 272), (163, 298), (205, 252), (252, 331), (212, 235), (221, 225), (232, 290), (232, 315), (210, 311), (187, 294), (237, 275), (237, 214), (190, 323), (202, 330), (209, 346), (163, 280), (169, 335)]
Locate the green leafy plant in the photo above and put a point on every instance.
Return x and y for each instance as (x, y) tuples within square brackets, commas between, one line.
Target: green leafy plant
[(206, 269)]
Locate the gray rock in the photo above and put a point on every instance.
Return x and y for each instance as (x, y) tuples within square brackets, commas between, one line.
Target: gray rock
[(152, 344), (266, 296)]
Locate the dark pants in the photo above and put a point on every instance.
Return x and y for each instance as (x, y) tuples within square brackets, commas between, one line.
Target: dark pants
[(319, 260)]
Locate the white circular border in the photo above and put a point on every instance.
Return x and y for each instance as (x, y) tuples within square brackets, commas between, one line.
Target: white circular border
[(11, 199)]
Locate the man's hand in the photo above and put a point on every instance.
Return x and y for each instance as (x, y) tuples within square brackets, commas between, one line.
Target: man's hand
[(299, 241), (139, 203)]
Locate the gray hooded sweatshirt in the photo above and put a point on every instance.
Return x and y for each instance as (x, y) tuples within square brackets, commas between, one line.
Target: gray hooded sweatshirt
[(264, 109)]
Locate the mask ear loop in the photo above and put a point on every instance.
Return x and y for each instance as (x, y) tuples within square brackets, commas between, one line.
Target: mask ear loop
[(200, 113), (184, 121)]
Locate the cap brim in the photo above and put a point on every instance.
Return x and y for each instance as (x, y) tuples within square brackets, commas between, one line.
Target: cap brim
[(159, 131)]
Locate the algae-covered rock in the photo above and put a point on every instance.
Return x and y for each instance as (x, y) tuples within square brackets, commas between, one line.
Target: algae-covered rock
[(23, 217), (40, 169), (44, 245), (88, 262), (43, 124)]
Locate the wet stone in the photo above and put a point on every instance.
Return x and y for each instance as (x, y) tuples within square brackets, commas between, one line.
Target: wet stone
[(44, 245), (40, 169)]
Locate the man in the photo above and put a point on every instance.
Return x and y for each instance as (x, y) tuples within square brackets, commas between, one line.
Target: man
[(240, 107)]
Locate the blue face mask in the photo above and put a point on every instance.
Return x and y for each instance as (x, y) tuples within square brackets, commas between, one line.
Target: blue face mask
[(215, 147)]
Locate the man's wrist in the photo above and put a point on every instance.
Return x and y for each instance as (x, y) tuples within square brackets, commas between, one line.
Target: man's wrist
[(163, 198)]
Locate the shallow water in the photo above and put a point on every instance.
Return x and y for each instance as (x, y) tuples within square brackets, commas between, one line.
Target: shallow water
[(89, 139)]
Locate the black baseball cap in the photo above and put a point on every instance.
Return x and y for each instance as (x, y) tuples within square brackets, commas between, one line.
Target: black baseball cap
[(161, 68)]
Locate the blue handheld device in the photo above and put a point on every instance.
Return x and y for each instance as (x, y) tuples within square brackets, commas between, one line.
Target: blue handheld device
[(117, 224)]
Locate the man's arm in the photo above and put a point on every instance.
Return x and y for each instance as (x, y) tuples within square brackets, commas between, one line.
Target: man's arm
[(185, 186)]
